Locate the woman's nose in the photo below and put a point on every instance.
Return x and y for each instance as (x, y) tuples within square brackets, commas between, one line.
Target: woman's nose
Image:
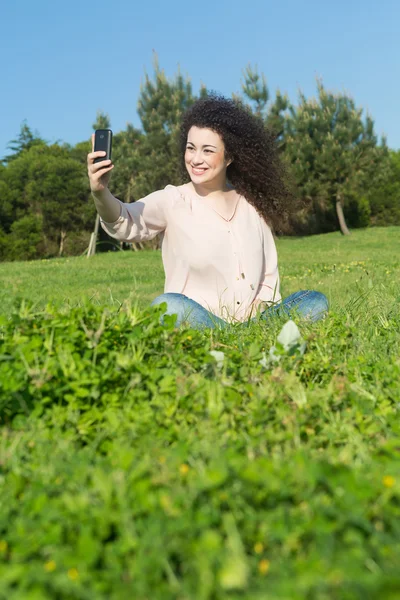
[(197, 159)]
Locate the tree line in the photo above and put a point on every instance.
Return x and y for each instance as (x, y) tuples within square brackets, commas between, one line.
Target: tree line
[(344, 176)]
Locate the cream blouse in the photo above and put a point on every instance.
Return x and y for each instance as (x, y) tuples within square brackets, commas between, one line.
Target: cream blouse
[(225, 263)]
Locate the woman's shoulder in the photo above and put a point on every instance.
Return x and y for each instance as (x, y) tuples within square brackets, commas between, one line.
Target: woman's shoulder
[(179, 194), (170, 194)]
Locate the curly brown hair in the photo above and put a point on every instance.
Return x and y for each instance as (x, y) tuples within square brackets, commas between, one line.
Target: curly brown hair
[(256, 171)]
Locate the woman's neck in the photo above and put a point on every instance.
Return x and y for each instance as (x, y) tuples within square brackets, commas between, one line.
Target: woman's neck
[(211, 190)]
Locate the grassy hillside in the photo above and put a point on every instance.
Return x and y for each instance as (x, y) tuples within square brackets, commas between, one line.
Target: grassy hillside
[(143, 461)]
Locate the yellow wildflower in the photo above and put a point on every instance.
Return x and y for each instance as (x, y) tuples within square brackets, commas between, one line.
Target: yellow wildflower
[(50, 566), (184, 469), (263, 566), (258, 548), (388, 481), (73, 574), (3, 545)]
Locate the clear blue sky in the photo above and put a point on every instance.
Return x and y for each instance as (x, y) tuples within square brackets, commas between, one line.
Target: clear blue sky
[(64, 60)]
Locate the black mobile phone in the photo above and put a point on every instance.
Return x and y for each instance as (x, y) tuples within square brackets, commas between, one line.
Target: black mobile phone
[(103, 141)]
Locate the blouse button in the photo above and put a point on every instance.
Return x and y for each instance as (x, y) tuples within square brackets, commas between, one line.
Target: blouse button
[(238, 302)]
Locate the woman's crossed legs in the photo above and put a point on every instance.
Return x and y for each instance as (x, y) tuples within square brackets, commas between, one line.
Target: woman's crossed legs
[(308, 304)]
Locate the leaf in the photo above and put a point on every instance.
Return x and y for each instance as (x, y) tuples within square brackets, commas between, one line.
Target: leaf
[(289, 335), (295, 389), (219, 358), (254, 350), (289, 341), (234, 571), (215, 404)]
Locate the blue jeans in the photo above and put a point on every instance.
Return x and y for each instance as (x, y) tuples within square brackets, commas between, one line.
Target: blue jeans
[(307, 304)]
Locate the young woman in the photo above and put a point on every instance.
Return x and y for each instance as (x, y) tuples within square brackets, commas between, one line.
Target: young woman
[(218, 249)]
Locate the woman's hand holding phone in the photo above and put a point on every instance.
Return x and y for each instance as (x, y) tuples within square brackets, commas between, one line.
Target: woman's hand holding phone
[(99, 172)]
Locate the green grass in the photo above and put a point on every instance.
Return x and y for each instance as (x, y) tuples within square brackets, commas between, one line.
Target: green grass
[(134, 465), (333, 264)]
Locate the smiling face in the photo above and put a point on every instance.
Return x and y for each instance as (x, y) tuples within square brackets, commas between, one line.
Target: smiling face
[(205, 158)]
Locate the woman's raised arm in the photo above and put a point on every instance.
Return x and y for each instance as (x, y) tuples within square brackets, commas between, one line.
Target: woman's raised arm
[(107, 205)]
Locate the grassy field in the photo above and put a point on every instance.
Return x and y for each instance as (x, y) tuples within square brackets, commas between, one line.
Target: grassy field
[(144, 461), (340, 267)]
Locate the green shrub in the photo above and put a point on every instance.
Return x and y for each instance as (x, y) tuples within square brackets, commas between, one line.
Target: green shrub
[(137, 464), (25, 242)]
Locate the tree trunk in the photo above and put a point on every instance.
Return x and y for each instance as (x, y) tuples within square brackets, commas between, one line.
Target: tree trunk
[(62, 240), (89, 252), (96, 233), (342, 222), (93, 237)]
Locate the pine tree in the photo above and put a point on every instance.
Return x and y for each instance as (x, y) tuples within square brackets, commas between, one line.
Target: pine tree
[(276, 118), (383, 192), (25, 140), (102, 121), (126, 157), (332, 150), (161, 104), (255, 89)]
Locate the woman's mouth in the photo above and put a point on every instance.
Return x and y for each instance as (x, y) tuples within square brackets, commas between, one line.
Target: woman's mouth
[(198, 171)]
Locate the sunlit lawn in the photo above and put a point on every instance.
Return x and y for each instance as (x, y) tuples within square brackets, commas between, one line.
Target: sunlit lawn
[(342, 267)]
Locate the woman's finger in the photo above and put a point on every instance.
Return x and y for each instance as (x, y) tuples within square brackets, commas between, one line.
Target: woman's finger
[(99, 166), (100, 172), (92, 155)]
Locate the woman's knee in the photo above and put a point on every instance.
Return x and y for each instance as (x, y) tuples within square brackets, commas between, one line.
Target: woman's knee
[(318, 305), (176, 305), (323, 300), (170, 298), (308, 304)]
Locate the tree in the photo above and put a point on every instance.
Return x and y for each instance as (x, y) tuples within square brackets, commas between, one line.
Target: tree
[(161, 104), (14, 179), (383, 193), (102, 121), (6, 208), (24, 142), (276, 118), (127, 157), (45, 183), (25, 241), (333, 152), (57, 190), (255, 89)]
